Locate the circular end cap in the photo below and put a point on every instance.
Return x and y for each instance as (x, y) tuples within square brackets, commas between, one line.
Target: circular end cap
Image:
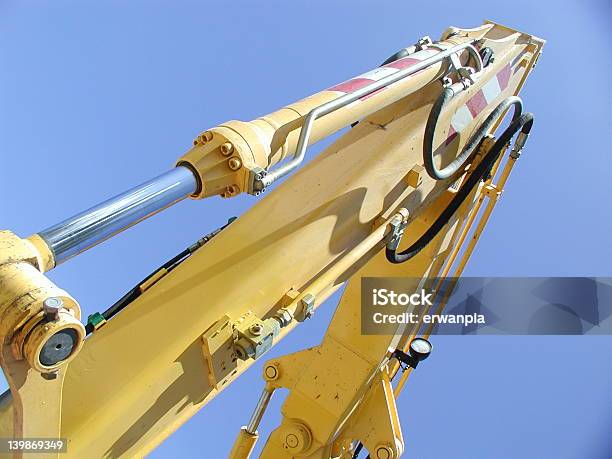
[(420, 348), (297, 437), (59, 347), (271, 372), (51, 344)]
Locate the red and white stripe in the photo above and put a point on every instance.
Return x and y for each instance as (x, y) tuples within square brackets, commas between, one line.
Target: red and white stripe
[(379, 73), (464, 114), (478, 102)]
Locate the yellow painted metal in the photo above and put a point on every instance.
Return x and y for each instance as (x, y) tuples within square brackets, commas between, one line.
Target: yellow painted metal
[(143, 374), (328, 383), (244, 445), (300, 405), (268, 140), (47, 262), (34, 408), (493, 192)]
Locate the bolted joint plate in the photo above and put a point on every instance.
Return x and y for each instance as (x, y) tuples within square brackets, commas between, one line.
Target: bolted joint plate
[(219, 353), (253, 336), (227, 159), (221, 162)]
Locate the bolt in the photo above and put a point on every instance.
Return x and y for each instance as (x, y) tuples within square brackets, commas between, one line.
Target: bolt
[(234, 164), (203, 138), (52, 307), (256, 329), (384, 452), (240, 353), (227, 148), (271, 372), (230, 191)]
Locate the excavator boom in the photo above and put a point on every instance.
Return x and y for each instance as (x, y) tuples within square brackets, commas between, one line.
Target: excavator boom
[(398, 194)]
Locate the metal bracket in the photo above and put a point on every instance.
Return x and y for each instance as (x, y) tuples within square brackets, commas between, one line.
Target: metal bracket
[(255, 183), (465, 74), (423, 43), (254, 336), (218, 349), (306, 308), (414, 178), (491, 191)]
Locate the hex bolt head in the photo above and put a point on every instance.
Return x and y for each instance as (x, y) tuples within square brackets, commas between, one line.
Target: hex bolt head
[(384, 452), (227, 148), (234, 164), (271, 372), (203, 138), (52, 307)]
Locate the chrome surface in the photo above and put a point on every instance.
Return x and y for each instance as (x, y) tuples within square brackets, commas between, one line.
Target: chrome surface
[(82, 231), (262, 404)]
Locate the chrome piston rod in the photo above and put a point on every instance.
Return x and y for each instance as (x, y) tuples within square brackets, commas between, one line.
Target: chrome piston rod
[(82, 231)]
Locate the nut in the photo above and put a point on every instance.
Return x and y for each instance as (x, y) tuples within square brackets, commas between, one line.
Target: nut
[(256, 329)]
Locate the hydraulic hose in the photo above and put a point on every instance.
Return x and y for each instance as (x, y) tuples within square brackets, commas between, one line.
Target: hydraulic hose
[(475, 139), (523, 124), (135, 292)]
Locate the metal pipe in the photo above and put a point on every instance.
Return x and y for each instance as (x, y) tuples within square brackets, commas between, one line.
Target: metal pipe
[(343, 101), (331, 276), (86, 229), (262, 404)]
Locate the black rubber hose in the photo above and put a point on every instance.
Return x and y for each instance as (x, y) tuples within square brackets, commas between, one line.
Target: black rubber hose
[(399, 55), (135, 292), (470, 146), (523, 123)]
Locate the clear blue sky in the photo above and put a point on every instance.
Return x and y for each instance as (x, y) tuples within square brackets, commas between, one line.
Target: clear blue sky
[(99, 96)]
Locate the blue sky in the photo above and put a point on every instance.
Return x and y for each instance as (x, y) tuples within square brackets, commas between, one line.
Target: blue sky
[(99, 96)]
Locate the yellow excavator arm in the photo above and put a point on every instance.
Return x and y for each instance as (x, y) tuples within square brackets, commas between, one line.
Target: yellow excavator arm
[(404, 192)]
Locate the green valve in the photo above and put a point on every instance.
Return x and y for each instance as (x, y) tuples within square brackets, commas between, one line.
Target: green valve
[(96, 320)]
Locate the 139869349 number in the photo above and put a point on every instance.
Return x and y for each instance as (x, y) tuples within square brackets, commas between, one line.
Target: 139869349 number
[(33, 445)]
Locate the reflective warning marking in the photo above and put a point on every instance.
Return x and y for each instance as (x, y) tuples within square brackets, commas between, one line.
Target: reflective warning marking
[(354, 84), (478, 102)]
